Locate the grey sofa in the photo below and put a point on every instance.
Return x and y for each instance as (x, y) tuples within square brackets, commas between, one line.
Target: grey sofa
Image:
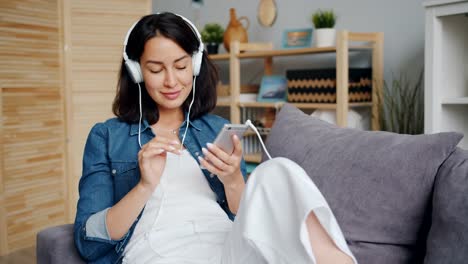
[(55, 245), (398, 198)]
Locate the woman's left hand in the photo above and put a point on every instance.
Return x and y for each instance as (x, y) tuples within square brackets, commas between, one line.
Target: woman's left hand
[(225, 166)]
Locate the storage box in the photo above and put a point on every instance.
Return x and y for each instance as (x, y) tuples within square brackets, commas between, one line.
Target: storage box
[(319, 85)]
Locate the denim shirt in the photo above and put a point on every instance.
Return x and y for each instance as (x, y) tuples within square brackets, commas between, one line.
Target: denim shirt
[(110, 171)]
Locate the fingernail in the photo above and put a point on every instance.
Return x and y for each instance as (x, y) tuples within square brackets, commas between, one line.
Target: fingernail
[(201, 166), (209, 145), (172, 148), (175, 142), (160, 151), (204, 150)]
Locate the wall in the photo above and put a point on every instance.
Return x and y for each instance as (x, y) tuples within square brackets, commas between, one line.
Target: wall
[(401, 21), (32, 138)]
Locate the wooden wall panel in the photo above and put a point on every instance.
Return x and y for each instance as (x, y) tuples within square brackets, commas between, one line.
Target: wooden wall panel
[(32, 144), (94, 36), (58, 76), (3, 225), (33, 162)]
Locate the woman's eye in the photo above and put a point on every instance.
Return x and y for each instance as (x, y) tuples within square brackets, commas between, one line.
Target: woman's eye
[(181, 67), (155, 71)]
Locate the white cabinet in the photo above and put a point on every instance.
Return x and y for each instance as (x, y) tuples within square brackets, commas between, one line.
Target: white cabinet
[(446, 67)]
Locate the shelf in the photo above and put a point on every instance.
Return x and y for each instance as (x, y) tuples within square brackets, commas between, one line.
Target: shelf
[(242, 105), (346, 42), (254, 158), (291, 52), (222, 56), (455, 101), (223, 101), (299, 105), (261, 130)]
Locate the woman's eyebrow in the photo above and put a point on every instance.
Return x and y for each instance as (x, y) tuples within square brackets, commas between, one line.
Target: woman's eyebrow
[(160, 62), (181, 58)]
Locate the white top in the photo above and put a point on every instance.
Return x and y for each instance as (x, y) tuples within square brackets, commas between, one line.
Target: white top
[(182, 220)]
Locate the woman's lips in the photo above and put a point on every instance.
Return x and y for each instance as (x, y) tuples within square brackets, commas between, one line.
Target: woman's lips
[(171, 95)]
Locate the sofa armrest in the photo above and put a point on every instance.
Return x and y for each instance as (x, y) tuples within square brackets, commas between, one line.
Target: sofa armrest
[(55, 245)]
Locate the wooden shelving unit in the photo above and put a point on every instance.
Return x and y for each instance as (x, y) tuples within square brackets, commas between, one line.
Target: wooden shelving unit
[(364, 41)]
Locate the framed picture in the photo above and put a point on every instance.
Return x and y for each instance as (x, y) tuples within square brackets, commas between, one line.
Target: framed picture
[(273, 89), (297, 38)]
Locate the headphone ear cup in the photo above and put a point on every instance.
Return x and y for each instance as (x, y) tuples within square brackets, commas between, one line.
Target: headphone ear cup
[(196, 62), (134, 70)]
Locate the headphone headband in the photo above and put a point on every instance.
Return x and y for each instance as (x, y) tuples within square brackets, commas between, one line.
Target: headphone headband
[(195, 30), (134, 67), (126, 40)]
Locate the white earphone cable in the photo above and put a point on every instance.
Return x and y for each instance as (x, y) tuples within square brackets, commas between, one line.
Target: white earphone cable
[(249, 123), (141, 115), (188, 114)]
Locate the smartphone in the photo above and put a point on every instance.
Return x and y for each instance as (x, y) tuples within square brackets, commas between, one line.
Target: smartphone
[(224, 138)]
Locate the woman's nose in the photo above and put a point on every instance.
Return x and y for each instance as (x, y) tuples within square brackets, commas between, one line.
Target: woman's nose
[(169, 78)]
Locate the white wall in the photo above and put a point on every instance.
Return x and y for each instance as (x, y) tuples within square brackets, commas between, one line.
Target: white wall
[(402, 22)]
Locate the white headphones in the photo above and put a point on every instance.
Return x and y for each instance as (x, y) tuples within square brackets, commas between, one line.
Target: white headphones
[(134, 67)]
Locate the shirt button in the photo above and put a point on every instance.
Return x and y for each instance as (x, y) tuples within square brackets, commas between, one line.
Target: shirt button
[(197, 153), (114, 171), (212, 175)]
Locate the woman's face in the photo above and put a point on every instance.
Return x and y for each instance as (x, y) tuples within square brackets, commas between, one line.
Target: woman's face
[(167, 71)]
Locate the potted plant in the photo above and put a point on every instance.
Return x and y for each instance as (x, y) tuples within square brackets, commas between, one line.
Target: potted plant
[(212, 34), (402, 105), (324, 23)]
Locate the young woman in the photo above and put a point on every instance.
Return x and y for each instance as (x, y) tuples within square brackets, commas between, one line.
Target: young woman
[(144, 197)]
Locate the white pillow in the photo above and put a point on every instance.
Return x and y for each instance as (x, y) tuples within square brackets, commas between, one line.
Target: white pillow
[(355, 119)]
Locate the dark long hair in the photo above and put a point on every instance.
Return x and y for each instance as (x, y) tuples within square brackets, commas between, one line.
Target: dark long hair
[(125, 105)]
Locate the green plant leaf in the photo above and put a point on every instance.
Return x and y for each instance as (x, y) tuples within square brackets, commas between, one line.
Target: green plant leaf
[(212, 33), (402, 109), (324, 19)]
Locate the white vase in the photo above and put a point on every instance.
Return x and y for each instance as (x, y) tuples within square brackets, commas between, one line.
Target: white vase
[(325, 37)]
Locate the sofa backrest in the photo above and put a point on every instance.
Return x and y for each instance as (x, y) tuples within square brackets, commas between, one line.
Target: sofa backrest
[(447, 241), (378, 184)]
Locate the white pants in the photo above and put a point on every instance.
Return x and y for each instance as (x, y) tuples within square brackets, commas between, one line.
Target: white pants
[(270, 225)]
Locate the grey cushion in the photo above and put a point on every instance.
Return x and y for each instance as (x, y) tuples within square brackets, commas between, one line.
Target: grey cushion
[(448, 237), (55, 245), (378, 184)]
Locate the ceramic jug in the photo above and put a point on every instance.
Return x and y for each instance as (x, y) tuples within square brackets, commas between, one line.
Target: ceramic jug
[(235, 30)]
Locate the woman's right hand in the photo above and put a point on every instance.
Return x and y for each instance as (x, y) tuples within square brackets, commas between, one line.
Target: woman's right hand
[(152, 160)]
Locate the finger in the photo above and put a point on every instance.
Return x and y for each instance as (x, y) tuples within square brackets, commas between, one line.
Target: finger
[(149, 153), (218, 152), (165, 146), (209, 166), (214, 160), (164, 140), (237, 146)]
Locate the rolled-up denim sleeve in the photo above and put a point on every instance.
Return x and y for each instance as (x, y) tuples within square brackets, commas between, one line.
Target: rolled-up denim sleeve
[(96, 190), (96, 225)]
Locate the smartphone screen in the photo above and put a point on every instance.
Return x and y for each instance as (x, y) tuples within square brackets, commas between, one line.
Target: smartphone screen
[(224, 138)]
